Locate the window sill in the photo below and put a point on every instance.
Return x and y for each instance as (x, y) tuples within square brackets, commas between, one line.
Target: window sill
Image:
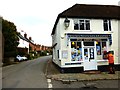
[(109, 31), (102, 60), (83, 30)]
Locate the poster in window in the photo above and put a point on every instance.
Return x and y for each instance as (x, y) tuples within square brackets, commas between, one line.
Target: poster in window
[(91, 53), (98, 50)]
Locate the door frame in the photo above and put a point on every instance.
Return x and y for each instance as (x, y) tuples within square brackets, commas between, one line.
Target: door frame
[(89, 64)]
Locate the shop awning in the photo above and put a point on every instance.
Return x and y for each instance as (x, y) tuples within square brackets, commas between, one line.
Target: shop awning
[(109, 36)]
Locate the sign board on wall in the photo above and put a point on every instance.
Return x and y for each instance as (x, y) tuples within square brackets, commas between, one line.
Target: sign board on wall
[(64, 54)]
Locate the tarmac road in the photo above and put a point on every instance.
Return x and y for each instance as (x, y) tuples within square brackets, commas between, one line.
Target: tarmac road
[(27, 74)]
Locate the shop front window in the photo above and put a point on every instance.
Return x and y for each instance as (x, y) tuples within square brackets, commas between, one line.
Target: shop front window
[(101, 48), (76, 51), (104, 50), (98, 47)]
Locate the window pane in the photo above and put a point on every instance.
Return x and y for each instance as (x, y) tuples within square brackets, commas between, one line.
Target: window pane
[(58, 53), (79, 52), (73, 51), (88, 43), (98, 48), (104, 50), (103, 44), (78, 45), (82, 21), (109, 25), (86, 54), (76, 27), (105, 21), (87, 25), (73, 39), (76, 24), (73, 44), (105, 26), (82, 25), (91, 51)]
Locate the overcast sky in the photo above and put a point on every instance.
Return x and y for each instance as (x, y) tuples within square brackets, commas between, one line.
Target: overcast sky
[(37, 17)]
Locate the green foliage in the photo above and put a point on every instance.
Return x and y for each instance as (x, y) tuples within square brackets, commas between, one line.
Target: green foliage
[(11, 39)]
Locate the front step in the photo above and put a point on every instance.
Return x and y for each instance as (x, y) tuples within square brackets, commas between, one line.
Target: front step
[(92, 72)]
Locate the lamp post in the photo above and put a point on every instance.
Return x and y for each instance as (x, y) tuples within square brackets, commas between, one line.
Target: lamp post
[(66, 23)]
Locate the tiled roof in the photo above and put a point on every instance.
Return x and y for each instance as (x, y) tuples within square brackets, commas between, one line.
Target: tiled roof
[(23, 38), (90, 11)]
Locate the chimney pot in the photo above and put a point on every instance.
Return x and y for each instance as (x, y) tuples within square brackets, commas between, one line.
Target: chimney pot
[(25, 35)]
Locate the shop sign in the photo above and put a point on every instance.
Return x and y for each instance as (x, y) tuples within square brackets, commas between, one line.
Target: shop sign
[(109, 36)]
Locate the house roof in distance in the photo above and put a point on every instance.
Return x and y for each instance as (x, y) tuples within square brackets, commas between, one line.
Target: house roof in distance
[(90, 11)]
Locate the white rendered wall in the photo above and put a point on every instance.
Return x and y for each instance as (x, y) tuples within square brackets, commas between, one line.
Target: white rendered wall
[(56, 39), (96, 27), (23, 44)]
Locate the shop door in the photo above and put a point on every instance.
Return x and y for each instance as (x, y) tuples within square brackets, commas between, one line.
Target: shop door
[(89, 58)]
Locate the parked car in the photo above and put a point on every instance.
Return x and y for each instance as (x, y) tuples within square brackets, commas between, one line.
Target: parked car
[(21, 58)]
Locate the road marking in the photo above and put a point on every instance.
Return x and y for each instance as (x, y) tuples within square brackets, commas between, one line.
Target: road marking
[(48, 80), (49, 83)]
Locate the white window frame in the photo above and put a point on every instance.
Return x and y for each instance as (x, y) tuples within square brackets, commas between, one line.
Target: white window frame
[(77, 21), (108, 24)]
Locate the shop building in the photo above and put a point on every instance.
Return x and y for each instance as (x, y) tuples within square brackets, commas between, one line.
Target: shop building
[(83, 34)]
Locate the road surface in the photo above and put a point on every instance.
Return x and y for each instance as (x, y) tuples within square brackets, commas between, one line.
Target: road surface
[(27, 74)]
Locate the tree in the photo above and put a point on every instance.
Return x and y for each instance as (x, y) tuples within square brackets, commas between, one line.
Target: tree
[(11, 39)]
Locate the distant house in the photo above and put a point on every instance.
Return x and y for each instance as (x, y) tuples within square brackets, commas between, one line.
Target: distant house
[(38, 47), (24, 42), (83, 34)]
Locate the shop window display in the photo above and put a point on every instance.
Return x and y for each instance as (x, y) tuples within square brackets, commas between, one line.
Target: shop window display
[(76, 51), (101, 48), (86, 54), (104, 50), (98, 48)]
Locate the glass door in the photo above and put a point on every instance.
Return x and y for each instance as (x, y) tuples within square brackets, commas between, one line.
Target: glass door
[(89, 54)]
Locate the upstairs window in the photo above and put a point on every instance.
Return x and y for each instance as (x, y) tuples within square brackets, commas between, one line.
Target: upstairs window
[(81, 24), (107, 25)]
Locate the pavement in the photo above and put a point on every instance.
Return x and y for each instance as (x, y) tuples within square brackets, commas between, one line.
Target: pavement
[(52, 72)]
